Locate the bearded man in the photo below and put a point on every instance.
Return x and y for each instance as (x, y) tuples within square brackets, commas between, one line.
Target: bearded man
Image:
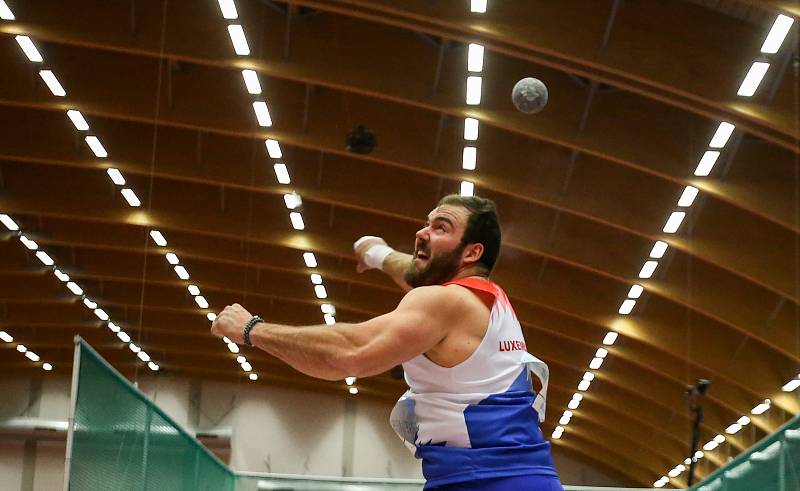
[(471, 413)]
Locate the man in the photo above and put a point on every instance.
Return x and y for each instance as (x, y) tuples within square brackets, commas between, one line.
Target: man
[(471, 413)]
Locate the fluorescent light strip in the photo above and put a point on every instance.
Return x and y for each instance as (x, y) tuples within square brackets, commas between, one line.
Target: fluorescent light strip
[(706, 163), (610, 338), (238, 40), (328, 309), (52, 83), (131, 197), (658, 250), (262, 113), (674, 222), (791, 386), (273, 148), (61, 276), (310, 259), (9, 223), (780, 28), (97, 147), (29, 49), (211, 316), (6, 337), (329, 319), (467, 188), (297, 220), (77, 120), (761, 408), (282, 174), (469, 158), (172, 258), (193, 290), (474, 90), (201, 301), (45, 258), (5, 12), (627, 306), (688, 196), (181, 272), (320, 291), (721, 136), (557, 432), (251, 81), (316, 279), (74, 288), (635, 291), (596, 363), (228, 9), (158, 238), (478, 6), (116, 176), (753, 79), (475, 58), (31, 245), (292, 200), (471, 126), (648, 269)]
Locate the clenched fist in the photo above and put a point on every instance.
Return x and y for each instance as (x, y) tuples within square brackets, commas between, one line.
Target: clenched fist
[(230, 323)]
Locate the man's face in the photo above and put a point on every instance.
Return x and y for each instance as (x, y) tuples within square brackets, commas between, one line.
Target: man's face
[(437, 248)]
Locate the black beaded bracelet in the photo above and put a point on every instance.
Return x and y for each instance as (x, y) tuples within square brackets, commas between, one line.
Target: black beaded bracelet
[(249, 327)]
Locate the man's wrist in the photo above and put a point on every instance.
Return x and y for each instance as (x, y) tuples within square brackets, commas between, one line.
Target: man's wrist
[(248, 328), (376, 254)]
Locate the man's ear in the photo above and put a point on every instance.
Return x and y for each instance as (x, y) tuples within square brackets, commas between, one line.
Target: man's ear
[(472, 254)]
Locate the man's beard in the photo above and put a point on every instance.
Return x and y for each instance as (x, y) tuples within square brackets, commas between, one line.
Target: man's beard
[(440, 268)]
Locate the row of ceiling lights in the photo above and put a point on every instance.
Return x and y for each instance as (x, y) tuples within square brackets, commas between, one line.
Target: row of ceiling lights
[(45, 258), (97, 148), (772, 43), (50, 79), (76, 290), (292, 200)]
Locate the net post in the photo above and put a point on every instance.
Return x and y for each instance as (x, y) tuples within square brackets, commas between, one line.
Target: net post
[(148, 420), (73, 401)]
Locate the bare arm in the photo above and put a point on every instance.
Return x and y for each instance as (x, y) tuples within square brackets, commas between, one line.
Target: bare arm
[(395, 265), (421, 320)]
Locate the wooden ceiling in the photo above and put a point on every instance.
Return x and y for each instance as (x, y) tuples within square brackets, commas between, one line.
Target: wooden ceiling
[(637, 89)]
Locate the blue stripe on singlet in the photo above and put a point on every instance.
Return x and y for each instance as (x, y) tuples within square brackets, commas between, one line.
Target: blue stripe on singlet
[(505, 437)]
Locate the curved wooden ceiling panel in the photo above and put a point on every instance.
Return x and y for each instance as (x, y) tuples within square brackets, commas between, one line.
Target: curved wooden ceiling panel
[(583, 188)]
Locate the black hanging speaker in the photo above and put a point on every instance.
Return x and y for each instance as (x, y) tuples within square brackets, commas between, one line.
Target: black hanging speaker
[(361, 140)]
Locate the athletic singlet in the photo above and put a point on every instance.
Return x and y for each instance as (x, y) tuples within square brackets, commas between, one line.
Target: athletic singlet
[(479, 419)]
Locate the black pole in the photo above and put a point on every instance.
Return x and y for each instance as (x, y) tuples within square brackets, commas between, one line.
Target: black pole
[(694, 396), (697, 411)]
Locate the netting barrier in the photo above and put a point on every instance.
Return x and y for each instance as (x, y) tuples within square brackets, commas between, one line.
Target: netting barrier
[(120, 440), (773, 464)]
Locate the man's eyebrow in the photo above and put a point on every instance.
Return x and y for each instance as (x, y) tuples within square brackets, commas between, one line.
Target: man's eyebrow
[(444, 219)]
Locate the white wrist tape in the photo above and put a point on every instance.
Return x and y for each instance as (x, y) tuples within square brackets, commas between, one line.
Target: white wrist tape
[(376, 254), (364, 239)]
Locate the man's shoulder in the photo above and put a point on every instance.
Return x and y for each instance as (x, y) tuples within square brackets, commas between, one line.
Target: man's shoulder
[(450, 299)]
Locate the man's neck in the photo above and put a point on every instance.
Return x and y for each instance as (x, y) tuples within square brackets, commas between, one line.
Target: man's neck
[(471, 272)]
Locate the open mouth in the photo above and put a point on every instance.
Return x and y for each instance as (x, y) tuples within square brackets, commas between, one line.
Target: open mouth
[(421, 256)]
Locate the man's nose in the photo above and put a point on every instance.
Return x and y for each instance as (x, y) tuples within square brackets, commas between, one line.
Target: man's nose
[(422, 233)]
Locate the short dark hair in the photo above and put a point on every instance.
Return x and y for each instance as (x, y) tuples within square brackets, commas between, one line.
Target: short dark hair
[(483, 226)]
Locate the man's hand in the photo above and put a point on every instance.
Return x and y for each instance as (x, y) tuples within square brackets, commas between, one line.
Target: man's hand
[(361, 247), (230, 323)]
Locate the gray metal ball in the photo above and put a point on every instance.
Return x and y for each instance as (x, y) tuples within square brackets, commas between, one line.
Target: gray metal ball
[(529, 95)]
